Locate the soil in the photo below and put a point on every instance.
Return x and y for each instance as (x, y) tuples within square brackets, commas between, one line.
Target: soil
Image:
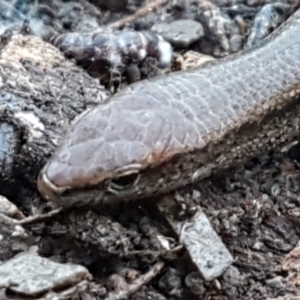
[(254, 209)]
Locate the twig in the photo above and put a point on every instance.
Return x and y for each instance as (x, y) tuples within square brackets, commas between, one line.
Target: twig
[(41, 217), (149, 252), (140, 13), (138, 283)]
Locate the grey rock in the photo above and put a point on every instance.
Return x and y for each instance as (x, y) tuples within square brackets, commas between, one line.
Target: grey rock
[(31, 275), (205, 247), (180, 33)]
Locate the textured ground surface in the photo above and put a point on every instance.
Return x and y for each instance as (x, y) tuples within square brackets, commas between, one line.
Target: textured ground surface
[(254, 209)]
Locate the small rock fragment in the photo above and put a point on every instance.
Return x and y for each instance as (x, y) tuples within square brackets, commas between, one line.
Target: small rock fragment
[(217, 25), (267, 20), (133, 73), (171, 283), (13, 238), (195, 283), (9, 209), (242, 10), (236, 42), (275, 282), (31, 275), (205, 247), (233, 277), (180, 33), (192, 59)]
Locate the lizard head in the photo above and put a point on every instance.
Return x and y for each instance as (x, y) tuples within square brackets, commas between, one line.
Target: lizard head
[(112, 152)]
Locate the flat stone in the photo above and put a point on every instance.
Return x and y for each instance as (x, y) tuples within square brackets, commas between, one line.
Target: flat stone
[(204, 245), (30, 275), (180, 33)]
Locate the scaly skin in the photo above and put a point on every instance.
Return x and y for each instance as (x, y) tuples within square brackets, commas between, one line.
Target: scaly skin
[(167, 132)]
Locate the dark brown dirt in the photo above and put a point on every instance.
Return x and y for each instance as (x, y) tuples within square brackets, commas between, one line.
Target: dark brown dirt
[(255, 209)]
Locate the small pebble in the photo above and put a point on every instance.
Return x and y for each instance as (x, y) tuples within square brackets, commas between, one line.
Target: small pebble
[(180, 33), (275, 282)]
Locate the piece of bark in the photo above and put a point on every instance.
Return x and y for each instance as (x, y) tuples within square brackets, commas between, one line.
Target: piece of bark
[(41, 93)]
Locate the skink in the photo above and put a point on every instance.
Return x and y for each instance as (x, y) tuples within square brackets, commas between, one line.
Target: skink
[(161, 134)]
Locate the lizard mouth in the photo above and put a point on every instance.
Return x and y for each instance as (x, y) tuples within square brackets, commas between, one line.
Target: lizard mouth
[(47, 189)]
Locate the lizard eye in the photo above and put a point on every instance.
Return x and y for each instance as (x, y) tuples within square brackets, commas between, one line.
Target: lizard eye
[(123, 183)]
